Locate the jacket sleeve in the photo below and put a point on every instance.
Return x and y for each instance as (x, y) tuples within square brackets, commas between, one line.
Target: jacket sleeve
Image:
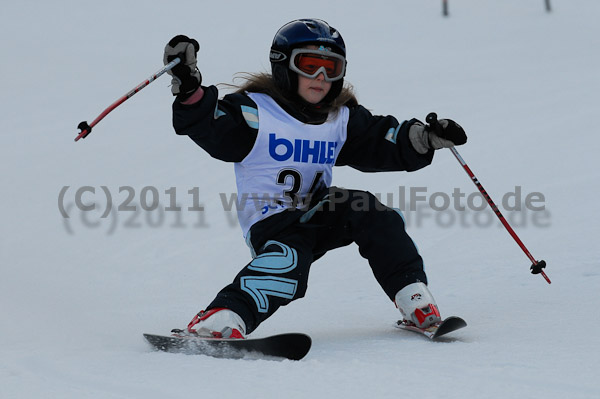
[(380, 144), (226, 128)]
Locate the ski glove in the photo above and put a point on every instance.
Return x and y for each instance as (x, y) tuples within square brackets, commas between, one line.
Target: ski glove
[(448, 134), (186, 76)]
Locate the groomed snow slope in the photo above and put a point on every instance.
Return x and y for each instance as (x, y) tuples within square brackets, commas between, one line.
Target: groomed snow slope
[(76, 293)]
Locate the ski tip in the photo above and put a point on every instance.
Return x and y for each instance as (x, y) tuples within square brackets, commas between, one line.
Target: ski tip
[(458, 321), (435, 331), (449, 325)]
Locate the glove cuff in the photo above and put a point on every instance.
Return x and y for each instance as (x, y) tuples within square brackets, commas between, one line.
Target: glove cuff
[(184, 86)]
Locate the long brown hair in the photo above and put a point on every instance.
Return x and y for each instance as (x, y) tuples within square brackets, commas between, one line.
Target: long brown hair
[(264, 83)]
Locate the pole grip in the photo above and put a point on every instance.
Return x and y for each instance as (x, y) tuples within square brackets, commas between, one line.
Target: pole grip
[(433, 123)]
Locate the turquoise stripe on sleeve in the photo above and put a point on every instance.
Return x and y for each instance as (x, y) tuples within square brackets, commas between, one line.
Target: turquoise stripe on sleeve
[(218, 113), (250, 115), (392, 134)]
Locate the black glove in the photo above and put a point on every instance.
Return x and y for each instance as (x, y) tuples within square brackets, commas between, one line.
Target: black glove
[(447, 130), (186, 76), (445, 134)]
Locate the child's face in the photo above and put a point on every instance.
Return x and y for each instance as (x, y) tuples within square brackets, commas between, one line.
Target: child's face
[(313, 90)]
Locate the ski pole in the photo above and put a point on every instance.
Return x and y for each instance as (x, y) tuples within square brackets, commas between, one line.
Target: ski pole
[(87, 129), (537, 267)]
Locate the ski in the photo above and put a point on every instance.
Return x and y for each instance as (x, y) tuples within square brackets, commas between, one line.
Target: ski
[(444, 327), (292, 346)]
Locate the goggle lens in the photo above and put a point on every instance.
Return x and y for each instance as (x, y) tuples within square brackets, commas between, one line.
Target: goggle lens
[(310, 63)]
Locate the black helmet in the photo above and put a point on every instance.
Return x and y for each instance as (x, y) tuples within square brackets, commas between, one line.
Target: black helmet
[(300, 33)]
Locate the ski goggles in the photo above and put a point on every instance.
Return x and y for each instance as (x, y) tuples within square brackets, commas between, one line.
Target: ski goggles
[(310, 63)]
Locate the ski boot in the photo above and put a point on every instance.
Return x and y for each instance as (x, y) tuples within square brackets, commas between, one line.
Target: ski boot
[(417, 305), (218, 323)]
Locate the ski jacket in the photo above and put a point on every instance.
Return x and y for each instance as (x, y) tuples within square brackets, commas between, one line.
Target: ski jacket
[(273, 146), (227, 130)]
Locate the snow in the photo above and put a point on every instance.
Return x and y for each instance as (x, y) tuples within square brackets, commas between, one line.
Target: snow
[(77, 293)]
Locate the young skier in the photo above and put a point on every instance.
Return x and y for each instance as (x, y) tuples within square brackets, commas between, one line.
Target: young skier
[(284, 132)]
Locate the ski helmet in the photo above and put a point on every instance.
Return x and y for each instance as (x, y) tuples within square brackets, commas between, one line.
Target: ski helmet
[(300, 33)]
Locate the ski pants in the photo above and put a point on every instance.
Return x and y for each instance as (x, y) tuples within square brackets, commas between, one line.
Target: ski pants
[(285, 245)]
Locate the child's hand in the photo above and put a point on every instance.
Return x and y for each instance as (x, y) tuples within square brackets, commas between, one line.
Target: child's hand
[(445, 133), (186, 76), (448, 134)]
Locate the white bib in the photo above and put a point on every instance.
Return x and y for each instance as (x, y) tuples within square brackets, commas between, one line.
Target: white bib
[(289, 160)]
